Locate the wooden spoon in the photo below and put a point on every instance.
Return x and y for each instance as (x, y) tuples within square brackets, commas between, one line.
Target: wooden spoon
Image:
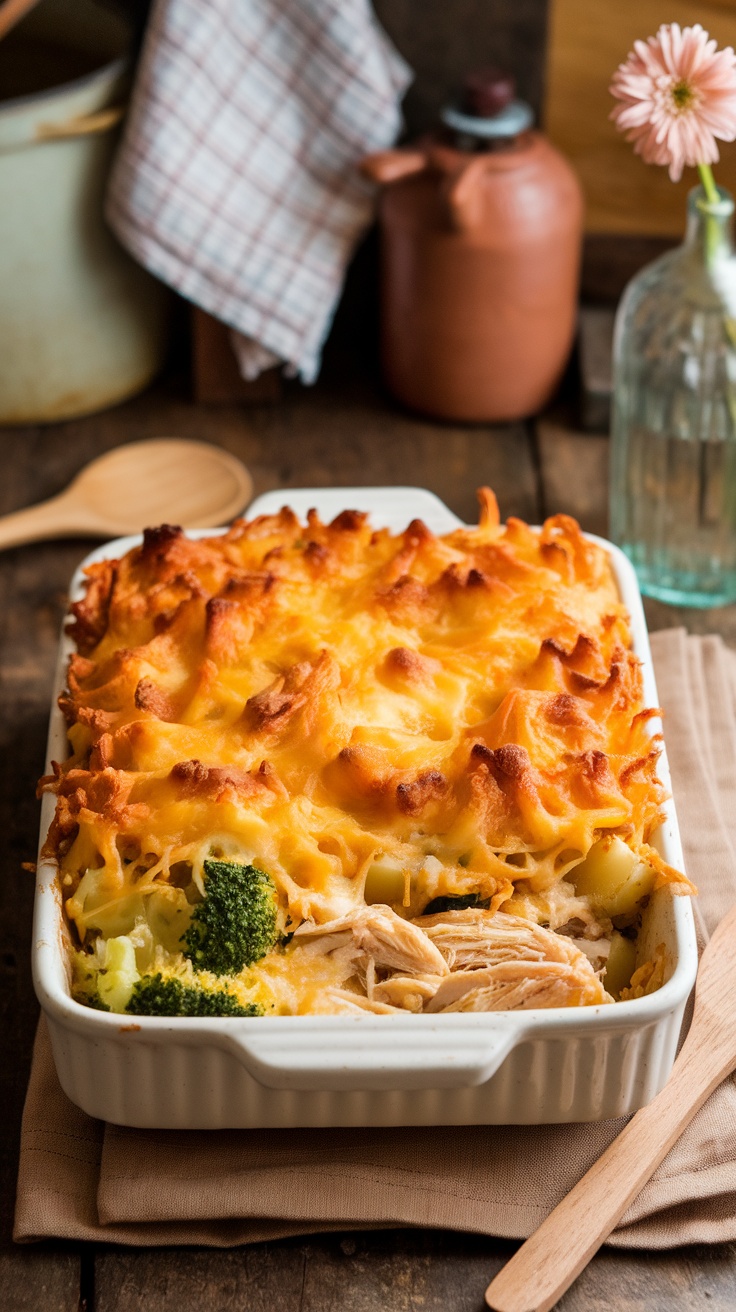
[(546, 1265), (131, 487)]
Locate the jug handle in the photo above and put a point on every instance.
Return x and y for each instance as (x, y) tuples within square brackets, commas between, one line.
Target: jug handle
[(386, 166), (463, 195)]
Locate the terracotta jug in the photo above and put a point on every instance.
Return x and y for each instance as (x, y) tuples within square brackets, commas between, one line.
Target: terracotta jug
[(481, 237)]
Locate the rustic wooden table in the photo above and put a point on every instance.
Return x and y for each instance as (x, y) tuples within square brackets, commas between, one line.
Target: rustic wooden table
[(344, 431)]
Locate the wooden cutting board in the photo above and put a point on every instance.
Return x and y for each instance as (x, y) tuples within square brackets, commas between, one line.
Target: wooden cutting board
[(587, 40)]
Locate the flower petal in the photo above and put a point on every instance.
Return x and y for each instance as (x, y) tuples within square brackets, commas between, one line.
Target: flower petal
[(667, 125)]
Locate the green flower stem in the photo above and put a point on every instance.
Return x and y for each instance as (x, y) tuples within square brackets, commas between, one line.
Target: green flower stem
[(709, 184), (712, 197), (711, 223)]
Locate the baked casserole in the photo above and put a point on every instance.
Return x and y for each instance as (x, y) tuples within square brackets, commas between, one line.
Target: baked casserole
[(321, 768)]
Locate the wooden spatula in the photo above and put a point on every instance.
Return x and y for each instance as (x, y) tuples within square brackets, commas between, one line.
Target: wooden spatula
[(132, 487), (546, 1265)]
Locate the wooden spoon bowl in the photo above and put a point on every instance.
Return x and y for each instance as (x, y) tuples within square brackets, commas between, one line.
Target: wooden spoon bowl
[(194, 484)]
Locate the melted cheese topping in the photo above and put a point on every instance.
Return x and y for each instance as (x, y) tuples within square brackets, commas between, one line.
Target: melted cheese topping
[(322, 699)]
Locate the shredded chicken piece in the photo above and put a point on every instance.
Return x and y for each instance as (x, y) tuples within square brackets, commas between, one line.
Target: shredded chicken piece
[(409, 992), (520, 985), (344, 1000), (472, 960), (499, 962), (475, 937), (378, 933)]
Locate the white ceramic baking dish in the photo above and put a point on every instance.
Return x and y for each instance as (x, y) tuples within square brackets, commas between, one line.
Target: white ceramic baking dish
[(573, 1064)]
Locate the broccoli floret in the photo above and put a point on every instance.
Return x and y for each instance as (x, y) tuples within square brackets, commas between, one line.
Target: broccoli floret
[(235, 925), (160, 995), (457, 903), (93, 1000)]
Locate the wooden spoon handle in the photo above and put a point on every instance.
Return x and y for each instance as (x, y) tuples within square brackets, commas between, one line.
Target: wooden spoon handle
[(60, 517), (546, 1265)]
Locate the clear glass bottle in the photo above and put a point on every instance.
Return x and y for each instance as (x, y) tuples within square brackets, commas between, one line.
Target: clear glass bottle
[(673, 449)]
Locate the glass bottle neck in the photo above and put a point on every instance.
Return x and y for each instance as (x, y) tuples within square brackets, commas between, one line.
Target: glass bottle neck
[(710, 224)]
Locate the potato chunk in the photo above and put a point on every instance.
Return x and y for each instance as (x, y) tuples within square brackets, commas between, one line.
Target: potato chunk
[(613, 877), (620, 964), (384, 882)]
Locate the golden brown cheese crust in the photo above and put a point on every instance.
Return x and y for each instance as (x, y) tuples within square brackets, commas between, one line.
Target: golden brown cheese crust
[(317, 696)]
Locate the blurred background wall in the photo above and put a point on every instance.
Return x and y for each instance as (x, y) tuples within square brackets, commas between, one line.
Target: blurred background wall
[(443, 39), (587, 39)]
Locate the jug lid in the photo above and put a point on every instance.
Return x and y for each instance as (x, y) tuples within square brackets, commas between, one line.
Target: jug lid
[(511, 121), (487, 108)]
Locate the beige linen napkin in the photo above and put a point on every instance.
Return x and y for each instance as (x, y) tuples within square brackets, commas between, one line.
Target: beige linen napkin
[(80, 1179)]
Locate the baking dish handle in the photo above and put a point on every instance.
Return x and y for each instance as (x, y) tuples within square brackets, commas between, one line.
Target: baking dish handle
[(390, 1055)]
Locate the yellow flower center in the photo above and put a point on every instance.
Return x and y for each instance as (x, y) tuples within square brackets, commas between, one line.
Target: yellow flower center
[(682, 95)]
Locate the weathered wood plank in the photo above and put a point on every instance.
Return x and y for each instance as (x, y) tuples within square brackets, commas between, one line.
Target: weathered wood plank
[(39, 1280), (31, 611), (574, 472), (341, 443), (348, 433), (398, 1271), (595, 351), (690, 1280), (30, 1278), (441, 1272), (261, 1278)]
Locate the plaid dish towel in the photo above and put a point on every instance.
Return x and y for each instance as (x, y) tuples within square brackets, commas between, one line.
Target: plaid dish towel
[(236, 181)]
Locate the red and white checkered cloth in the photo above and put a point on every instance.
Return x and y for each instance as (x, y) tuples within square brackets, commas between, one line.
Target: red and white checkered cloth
[(236, 181)]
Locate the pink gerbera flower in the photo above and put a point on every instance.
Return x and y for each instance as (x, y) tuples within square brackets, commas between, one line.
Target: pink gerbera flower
[(677, 93)]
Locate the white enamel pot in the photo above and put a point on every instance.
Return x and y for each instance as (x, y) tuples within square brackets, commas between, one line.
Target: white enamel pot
[(81, 325)]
